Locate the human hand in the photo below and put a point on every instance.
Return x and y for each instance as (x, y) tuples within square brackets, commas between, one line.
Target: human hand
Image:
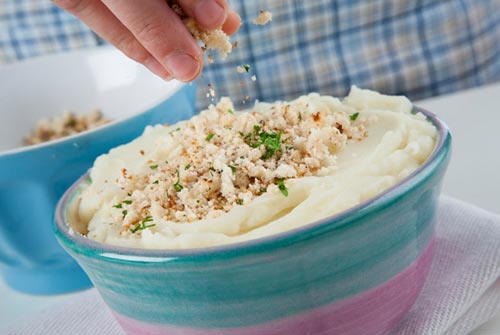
[(150, 33)]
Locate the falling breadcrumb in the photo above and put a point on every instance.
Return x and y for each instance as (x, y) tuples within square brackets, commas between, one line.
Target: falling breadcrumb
[(263, 18)]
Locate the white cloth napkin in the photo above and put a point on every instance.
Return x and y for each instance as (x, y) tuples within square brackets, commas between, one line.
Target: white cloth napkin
[(461, 293)]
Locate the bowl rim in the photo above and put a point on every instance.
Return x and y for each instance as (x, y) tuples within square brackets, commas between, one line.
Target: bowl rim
[(81, 244), (176, 86)]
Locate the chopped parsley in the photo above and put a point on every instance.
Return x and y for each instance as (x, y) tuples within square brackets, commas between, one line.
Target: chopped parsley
[(177, 186), (172, 131), (246, 67), (354, 116), (143, 225), (209, 137), (282, 187), (233, 168), (120, 205), (124, 213), (153, 167), (239, 201), (155, 182), (187, 167), (230, 111), (270, 140)]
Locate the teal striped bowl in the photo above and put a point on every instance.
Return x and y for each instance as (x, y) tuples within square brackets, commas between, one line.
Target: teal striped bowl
[(354, 273)]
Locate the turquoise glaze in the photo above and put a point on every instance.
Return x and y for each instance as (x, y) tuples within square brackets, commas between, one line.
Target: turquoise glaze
[(269, 282), (31, 182)]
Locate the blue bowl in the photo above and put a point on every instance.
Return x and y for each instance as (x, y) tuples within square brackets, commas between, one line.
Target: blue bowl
[(33, 178), (353, 273)]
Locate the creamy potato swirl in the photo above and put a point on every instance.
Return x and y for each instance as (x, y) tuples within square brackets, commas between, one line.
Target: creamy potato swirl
[(377, 141)]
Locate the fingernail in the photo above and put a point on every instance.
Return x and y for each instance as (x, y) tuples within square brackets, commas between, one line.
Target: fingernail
[(209, 14), (154, 66), (182, 66)]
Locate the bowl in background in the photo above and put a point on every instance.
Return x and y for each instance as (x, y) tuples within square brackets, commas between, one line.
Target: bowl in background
[(354, 273), (33, 178)]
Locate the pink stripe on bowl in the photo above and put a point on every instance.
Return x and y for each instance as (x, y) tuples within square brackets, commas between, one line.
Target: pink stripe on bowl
[(370, 313)]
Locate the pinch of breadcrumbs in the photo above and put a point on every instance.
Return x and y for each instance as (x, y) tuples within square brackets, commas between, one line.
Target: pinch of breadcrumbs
[(215, 39)]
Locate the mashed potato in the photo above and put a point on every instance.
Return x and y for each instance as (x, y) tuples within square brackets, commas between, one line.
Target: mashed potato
[(225, 177)]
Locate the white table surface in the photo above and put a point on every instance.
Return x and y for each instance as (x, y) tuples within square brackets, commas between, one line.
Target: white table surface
[(473, 175)]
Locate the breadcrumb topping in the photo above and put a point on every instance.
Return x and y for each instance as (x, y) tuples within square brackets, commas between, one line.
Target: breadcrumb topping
[(224, 158), (64, 125)]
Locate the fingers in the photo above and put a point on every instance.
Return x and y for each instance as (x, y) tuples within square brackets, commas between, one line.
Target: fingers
[(232, 24), (149, 32), (162, 33), (209, 14), (212, 14), (98, 17)]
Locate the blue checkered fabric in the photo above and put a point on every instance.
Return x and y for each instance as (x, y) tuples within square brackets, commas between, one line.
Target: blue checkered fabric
[(420, 48), (31, 28)]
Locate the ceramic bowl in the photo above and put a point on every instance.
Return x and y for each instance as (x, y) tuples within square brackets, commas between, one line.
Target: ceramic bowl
[(33, 178), (357, 272)]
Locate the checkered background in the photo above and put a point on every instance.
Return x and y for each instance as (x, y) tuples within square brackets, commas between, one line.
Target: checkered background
[(420, 48)]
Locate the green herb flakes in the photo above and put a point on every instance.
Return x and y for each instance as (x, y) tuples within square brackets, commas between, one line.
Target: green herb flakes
[(209, 137), (354, 116), (177, 186), (143, 225), (282, 187), (270, 140)]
